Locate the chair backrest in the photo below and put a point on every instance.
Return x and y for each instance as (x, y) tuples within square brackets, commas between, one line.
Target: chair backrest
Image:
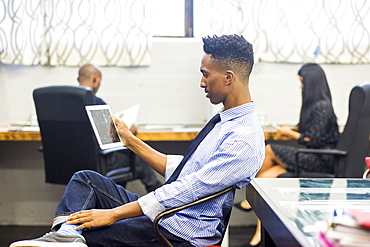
[(355, 137), (68, 141)]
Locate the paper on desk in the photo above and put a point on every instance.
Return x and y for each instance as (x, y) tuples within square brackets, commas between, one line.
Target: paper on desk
[(4, 126), (187, 129), (129, 116)]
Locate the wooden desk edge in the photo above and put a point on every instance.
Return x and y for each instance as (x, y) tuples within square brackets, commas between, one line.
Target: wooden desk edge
[(144, 136), (166, 136), (20, 136)]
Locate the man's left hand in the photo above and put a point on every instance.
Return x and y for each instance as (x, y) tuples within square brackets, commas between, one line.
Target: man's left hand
[(92, 218)]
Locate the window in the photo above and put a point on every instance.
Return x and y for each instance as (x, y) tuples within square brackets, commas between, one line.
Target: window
[(71, 32), (172, 18)]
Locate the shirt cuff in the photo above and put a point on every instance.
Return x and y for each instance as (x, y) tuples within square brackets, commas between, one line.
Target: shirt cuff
[(150, 206), (172, 162)]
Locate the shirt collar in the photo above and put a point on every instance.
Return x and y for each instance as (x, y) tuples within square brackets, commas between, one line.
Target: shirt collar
[(237, 111)]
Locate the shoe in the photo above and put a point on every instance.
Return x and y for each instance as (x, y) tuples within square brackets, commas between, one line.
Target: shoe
[(53, 239), (239, 206), (251, 245)]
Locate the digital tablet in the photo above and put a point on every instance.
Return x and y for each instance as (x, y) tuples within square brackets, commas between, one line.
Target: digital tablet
[(103, 126)]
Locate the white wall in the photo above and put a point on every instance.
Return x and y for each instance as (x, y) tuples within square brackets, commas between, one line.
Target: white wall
[(275, 88), (169, 92)]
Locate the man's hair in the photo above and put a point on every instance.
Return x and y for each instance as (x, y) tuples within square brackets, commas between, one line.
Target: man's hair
[(230, 52), (315, 89)]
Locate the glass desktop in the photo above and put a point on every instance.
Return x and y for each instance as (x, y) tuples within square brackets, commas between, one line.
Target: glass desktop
[(306, 205)]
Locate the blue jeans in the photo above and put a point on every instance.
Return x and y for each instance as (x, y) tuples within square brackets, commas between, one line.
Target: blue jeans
[(89, 190)]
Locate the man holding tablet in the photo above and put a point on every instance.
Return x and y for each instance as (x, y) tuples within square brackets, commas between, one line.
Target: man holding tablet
[(104, 214), (90, 76)]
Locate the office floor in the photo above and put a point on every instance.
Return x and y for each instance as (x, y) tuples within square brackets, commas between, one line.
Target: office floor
[(9, 234)]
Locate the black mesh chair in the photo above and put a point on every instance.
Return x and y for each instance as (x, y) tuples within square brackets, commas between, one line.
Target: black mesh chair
[(352, 147), (68, 140), (227, 213)]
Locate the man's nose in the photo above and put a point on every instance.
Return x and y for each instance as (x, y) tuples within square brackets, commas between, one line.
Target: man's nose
[(203, 84)]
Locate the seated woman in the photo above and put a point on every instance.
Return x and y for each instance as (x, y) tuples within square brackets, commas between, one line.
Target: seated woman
[(317, 128)]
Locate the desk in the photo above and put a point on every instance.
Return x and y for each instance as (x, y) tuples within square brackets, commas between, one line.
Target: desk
[(20, 136), (143, 134), (292, 210), (167, 134)]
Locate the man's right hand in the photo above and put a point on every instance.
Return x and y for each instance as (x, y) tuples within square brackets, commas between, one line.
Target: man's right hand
[(122, 130)]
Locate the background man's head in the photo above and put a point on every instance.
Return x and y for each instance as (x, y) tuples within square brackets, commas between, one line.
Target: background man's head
[(231, 52), (90, 76)]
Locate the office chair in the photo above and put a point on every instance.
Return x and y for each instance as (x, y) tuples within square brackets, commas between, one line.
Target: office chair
[(352, 146), (68, 140), (227, 213)]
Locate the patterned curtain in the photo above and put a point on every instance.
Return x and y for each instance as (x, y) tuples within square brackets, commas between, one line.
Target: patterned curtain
[(322, 31), (73, 32)]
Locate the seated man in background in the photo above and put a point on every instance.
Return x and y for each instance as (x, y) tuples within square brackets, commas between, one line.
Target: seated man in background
[(229, 155), (90, 76)]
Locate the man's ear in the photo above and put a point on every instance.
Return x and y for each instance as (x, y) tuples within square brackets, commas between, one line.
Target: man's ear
[(94, 77), (229, 77)]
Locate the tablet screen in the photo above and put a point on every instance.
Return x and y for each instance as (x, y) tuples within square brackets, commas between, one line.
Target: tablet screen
[(103, 126)]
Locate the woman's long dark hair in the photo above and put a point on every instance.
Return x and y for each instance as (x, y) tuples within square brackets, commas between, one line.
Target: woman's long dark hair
[(315, 88)]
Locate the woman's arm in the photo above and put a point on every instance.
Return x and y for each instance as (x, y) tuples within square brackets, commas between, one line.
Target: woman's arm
[(288, 131)]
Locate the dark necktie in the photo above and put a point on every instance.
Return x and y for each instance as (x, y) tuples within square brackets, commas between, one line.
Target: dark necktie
[(209, 126)]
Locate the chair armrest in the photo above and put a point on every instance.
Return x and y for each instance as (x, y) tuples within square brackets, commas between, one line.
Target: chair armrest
[(335, 152), (322, 151), (174, 210)]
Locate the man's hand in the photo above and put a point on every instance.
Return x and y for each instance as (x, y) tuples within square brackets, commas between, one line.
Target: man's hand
[(104, 217), (153, 158), (122, 129), (113, 132), (133, 129), (92, 218)]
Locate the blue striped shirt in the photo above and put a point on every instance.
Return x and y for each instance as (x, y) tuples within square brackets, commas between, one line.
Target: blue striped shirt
[(230, 155)]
